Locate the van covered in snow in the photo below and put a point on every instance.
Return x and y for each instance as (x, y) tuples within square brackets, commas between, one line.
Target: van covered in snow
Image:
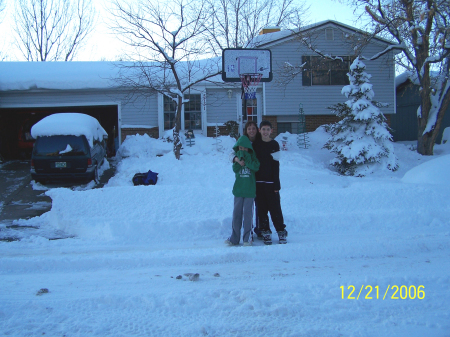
[(68, 146)]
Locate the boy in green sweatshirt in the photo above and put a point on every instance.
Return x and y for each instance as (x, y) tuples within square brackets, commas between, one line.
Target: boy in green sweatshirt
[(244, 191)]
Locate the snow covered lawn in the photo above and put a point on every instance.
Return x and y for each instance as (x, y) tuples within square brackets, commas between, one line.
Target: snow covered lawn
[(125, 270)]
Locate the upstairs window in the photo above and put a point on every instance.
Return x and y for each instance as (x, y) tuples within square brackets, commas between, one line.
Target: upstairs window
[(322, 71)]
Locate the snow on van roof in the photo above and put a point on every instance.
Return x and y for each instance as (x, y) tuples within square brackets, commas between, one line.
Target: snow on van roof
[(69, 123)]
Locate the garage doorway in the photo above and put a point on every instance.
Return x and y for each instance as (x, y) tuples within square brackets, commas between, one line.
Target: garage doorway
[(16, 123)]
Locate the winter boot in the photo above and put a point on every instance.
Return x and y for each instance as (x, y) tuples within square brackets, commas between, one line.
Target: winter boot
[(258, 233), (267, 236), (228, 242), (282, 236)]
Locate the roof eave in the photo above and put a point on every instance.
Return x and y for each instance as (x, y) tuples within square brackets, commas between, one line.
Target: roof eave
[(314, 27)]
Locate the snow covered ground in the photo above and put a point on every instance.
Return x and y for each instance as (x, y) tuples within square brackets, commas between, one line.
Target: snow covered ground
[(125, 268)]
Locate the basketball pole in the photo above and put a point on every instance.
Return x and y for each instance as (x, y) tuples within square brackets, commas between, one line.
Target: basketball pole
[(244, 108)]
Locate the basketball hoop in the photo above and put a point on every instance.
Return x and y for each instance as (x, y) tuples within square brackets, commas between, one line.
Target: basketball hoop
[(250, 84)]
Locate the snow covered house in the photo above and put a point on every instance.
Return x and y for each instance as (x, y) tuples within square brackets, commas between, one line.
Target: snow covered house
[(30, 91), (319, 82)]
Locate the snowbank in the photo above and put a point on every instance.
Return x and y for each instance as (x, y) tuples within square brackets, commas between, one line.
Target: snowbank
[(435, 171)]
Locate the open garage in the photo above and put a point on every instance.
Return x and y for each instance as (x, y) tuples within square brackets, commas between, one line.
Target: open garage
[(15, 125)]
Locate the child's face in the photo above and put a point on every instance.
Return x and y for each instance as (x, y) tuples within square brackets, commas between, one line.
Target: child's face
[(241, 148), (265, 131), (251, 131)]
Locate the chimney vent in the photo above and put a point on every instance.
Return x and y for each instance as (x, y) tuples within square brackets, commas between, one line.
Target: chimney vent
[(268, 30)]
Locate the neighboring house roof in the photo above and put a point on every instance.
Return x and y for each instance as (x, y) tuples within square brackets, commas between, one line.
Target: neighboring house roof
[(412, 77), (265, 40), (404, 77)]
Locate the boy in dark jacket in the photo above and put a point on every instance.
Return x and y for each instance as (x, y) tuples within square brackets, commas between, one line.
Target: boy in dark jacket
[(244, 190), (268, 185)]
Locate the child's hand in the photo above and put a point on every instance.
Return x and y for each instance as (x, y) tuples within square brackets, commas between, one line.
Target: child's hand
[(240, 162)]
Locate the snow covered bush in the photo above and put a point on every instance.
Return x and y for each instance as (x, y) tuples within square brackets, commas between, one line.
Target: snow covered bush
[(361, 138)]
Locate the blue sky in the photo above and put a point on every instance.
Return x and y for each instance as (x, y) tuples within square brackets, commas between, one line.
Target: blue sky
[(104, 46)]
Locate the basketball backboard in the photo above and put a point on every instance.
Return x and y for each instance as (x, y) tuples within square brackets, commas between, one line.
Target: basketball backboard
[(246, 61)]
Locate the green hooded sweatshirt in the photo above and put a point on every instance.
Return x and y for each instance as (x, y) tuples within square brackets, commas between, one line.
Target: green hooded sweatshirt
[(245, 184)]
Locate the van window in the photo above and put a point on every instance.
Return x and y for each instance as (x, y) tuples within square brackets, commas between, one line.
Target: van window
[(61, 146)]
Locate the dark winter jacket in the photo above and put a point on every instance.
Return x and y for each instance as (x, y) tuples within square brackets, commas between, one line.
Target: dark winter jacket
[(269, 170), (245, 185)]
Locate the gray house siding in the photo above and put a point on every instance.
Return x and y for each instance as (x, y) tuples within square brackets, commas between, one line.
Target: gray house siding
[(284, 100), (220, 107), (141, 111)]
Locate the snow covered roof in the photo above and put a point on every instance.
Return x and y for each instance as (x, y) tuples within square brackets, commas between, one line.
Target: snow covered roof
[(275, 37), (405, 76), (85, 75), (412, 76), (72, 123), (56, 75)]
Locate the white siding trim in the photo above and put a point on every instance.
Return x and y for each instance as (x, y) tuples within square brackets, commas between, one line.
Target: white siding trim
[(239, 113), (119, 122), (204, 111), (259, 106), (160, 115), (264, 113)]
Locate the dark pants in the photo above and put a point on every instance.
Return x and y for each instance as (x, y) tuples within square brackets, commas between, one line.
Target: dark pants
[(256, 227), (269, 201)]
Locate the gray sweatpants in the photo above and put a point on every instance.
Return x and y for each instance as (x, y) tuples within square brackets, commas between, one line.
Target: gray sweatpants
[(243, 208)]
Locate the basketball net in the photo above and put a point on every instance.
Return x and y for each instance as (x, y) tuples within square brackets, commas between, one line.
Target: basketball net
[(250, 84)]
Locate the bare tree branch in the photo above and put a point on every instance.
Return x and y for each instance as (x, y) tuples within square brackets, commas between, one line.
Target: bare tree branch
[(52, 30), (168, 50), (234, 23), (420, 29)]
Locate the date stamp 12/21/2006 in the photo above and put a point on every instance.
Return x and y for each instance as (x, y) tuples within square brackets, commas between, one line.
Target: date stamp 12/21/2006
[(369, 292)]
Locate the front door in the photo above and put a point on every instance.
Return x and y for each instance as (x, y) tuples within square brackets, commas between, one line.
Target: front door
[(249, 112)]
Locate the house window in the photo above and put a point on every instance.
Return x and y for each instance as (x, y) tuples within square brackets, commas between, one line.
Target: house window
[(322, 71), (252, 110), (329, 34), (287, 127), (193, 112), (170, 109), (284, 127)]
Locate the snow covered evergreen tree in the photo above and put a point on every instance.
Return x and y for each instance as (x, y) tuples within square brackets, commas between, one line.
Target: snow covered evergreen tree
[(361, 138)]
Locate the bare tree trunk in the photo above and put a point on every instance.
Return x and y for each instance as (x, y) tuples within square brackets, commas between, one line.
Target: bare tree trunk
[(176, 131), (425, 142)]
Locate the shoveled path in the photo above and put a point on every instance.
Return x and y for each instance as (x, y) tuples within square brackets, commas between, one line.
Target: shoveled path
[(18, 200)]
